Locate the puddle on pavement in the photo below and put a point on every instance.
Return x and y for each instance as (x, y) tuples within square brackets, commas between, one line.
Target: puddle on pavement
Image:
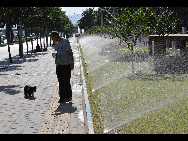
[(81, 116), (77, 64), (77, 87)]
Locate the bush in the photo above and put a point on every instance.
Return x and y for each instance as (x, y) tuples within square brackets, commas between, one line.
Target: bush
[(125, 55)]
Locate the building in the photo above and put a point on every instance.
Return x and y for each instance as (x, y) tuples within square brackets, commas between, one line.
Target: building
[(77, 29), (14, 29)]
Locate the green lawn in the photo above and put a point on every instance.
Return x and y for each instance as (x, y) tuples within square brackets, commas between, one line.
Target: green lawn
[(145, 102), (171, 119)]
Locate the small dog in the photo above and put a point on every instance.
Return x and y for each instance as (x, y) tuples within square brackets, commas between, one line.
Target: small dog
[(29, 91)]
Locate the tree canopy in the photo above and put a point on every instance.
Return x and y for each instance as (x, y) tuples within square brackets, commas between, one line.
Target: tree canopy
[(36, 20), (130, 22), (52, 18)]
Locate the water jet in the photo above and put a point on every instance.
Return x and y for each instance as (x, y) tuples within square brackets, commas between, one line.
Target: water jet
[(124, 95)]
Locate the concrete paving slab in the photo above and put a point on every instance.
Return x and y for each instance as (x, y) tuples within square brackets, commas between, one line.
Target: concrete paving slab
[(42, 115)]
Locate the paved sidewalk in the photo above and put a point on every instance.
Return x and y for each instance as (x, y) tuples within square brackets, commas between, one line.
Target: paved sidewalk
[(63, 118), (42, 114)]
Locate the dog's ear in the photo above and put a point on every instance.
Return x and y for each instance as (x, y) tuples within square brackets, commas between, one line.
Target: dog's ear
[(35, 87), (26, 87)]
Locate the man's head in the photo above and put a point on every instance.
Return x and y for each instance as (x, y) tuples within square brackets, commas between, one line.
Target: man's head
[(55, 36)]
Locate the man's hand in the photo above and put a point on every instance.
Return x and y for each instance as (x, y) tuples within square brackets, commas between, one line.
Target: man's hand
[(72, 59), (72, 66)]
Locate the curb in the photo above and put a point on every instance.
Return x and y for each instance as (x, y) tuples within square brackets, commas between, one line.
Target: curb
[(85, 102)]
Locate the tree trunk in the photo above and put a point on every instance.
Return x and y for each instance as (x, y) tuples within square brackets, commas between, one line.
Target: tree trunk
[(12, 35), (132, 56), (46, 38), (26, 39), (8, 41), (20, 39), (50, 41), (9, 33), (32, 39), (40, 39)]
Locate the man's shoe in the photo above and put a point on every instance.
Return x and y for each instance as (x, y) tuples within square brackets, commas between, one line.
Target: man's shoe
[(69, 99)]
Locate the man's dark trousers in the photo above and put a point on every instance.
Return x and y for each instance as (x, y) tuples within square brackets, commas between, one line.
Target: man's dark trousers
[(64, 74)]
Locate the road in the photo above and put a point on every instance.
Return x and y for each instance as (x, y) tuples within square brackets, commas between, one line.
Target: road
[(14, 49)]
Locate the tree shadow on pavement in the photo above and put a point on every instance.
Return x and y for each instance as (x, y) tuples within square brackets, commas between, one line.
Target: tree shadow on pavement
[(5, 65), (10, 89)]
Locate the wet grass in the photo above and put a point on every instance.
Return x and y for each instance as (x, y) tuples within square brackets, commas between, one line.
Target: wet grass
[(159, 104), (96, 112), (158, 101), (171, 119), (144, 102)]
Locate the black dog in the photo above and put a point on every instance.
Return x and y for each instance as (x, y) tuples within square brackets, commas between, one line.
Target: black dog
[(29, 91)]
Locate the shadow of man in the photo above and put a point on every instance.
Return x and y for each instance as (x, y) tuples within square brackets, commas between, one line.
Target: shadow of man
[(64, 107)]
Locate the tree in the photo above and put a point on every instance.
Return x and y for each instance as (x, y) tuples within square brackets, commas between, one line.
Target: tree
[(6, 15), (38, 19), (181, 14), (130, 22), (161, 21), (91, 18), (87, 20)]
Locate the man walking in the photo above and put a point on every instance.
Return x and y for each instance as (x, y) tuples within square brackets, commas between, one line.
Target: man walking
[(64, 64)]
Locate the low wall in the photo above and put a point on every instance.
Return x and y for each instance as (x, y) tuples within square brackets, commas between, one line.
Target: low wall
[(171, 64)]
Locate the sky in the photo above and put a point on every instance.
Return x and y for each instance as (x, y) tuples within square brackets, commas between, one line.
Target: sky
[(75, 10)]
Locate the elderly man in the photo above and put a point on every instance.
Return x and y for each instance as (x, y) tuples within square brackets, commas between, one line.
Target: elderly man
[(64, 64)]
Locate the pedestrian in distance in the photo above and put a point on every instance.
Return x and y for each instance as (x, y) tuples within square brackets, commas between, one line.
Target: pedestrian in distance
[(64, 61)]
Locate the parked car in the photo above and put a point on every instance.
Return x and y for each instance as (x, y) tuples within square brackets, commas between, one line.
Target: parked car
[(3, 37), (29, 38), (16, 38), (70, 34), (77, 34), (35, 37)]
